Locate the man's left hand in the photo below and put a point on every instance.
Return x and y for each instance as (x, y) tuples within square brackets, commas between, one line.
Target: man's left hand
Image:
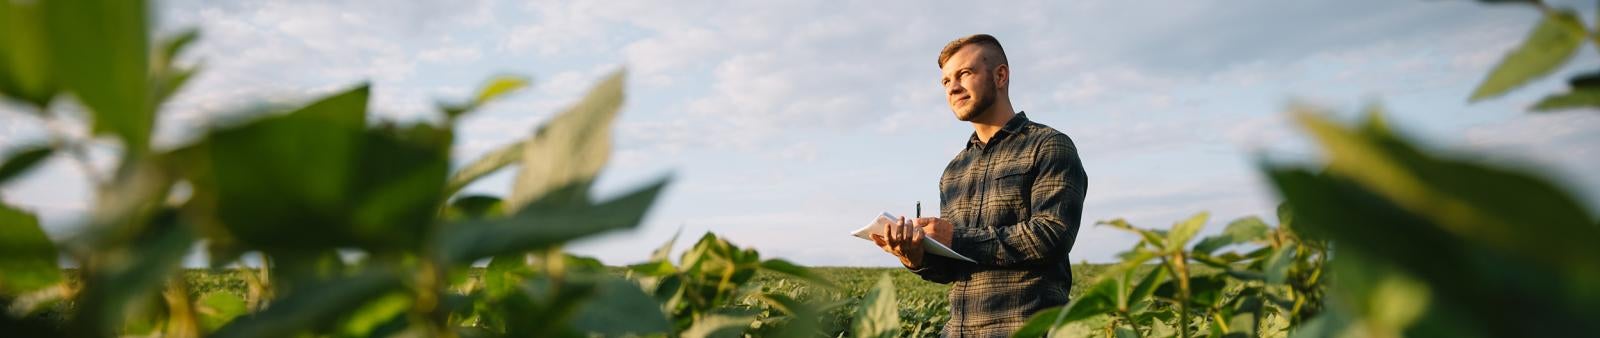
[(936, 228)]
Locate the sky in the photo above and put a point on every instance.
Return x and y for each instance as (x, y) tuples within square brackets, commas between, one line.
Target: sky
[(787, 124)]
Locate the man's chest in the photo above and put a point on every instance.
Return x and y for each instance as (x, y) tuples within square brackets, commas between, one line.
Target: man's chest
[(987, 187)]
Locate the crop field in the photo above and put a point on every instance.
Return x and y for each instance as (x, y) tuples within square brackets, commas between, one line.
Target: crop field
[(923, 306)]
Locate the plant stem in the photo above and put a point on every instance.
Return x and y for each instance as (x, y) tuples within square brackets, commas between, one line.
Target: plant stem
[(1177, 263)]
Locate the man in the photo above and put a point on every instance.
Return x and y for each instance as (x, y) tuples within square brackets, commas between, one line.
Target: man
[(1011, 200)]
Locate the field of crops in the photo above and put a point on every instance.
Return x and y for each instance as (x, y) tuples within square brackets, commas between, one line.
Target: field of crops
[(923, 305)]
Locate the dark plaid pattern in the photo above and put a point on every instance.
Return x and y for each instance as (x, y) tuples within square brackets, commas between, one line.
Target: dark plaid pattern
[(1015, 203)]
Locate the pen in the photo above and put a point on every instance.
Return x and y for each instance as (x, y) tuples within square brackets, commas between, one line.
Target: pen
[(919, 209)]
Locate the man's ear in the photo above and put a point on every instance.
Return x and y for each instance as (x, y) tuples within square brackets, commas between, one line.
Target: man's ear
[(1002, 77)]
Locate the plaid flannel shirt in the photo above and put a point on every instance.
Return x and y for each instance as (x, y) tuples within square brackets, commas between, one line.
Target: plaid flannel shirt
[(1015, 203)]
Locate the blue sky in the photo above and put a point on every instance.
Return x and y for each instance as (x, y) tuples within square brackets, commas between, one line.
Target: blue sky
[(789, 123)]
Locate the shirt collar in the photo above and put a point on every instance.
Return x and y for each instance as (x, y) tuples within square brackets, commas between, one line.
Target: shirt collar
[(1012, 126)]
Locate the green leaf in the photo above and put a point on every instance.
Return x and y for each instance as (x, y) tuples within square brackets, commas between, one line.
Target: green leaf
[(27, 257), (1151, 237), (483, 166), (620, 308), (1147, 285), (879, 312), (653, 268), (787, 268), (320, 170), (493, 88), (719, 326), (100, 50), (499, 86), (1207, 291), (1505, 209), (370, 318), (1126, 332), (504, 273), (1098, 300), (1458, 269), (25, 55), (1242, 230), (561, 159), (1277, 267), (169, 83), (167, 77), (217, 308), (664, 252), (1586, 97), (473, 207), (21, 160), (172, 46), (1040, 324), (803, 317), (1551, 43), (315, 306), (542, 228), (1183, 231)]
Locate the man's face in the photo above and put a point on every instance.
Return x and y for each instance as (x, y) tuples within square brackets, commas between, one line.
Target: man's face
[(968, 83)]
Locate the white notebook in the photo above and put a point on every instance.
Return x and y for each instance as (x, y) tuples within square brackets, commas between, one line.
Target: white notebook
[(928, 244)]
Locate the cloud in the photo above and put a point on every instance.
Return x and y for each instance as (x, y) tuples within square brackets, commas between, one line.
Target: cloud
[(450, 54)]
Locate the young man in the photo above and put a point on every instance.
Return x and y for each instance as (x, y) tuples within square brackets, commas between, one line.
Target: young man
[(1011, 200)]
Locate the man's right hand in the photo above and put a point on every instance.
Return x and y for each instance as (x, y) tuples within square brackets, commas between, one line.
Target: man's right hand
[(903, 240)]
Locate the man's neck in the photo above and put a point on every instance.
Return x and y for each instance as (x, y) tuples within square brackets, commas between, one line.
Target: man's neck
[(991, 122)]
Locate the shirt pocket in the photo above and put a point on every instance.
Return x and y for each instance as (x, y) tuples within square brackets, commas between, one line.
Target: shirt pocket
[(1010, 191)]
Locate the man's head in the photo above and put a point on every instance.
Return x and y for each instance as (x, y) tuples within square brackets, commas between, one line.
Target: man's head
[(975, 75)]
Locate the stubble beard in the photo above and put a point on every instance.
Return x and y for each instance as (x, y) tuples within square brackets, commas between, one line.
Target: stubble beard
[(980, 106)]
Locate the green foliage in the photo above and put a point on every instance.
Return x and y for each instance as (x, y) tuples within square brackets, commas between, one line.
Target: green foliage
[(22, 160), (493, 89), (879, 314), (25, 54), (1451, 229), (1547, 47), (704, 291), (302, 189), (1236, 293), (99, 52), (1550, 44), (27, 257), (218, 308)]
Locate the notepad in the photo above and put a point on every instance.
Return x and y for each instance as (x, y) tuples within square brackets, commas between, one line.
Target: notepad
[(928, 244)]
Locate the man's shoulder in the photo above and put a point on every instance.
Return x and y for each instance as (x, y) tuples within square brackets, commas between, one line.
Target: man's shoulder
[(1045, 135)]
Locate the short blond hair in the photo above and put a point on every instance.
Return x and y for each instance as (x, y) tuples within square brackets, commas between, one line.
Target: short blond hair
[(994, 56)]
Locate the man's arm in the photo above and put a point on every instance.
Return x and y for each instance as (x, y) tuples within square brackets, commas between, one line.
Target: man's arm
[(1057, 196), (937, 269)]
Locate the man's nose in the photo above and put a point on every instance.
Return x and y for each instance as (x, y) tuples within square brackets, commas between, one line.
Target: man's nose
[(954, 87)]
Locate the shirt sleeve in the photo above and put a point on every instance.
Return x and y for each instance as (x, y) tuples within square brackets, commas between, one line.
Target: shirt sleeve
[(1056, 205), (937, 269)]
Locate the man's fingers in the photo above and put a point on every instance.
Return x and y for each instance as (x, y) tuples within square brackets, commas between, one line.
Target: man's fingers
[(882, 244), (904, 235), (889, 234)]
